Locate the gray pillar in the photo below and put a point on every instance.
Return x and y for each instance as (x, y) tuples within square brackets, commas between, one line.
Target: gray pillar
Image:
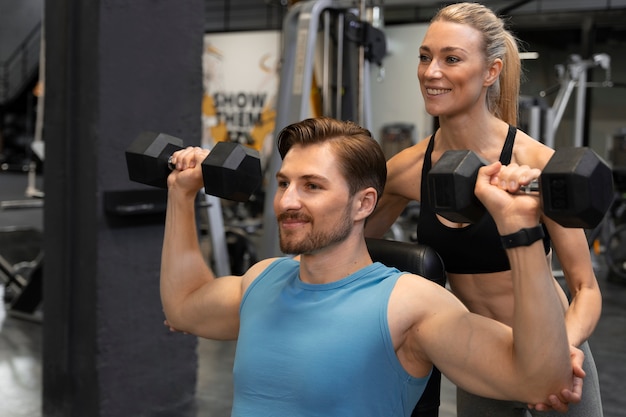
[(113, 68)]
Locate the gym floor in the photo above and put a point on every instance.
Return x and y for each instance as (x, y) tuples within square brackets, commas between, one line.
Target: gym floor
[(20, 340)]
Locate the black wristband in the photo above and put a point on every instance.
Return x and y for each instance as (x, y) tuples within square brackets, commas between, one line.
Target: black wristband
[(523, 237)]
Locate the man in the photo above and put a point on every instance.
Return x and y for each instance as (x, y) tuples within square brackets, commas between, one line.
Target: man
[(331, 333)]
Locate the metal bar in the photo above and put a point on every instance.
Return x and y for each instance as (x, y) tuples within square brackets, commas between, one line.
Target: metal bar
[(534, 121), (549, 130), (326, 102), (218, 236), (579, 119), (560, 103), (300, 32), (361, 71), (339, 77)]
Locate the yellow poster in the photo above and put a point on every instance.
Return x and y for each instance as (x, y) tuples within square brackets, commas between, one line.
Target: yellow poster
[(240, 86)]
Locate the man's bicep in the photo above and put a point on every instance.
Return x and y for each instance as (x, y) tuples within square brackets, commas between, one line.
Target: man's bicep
[(212, 311), (474, 352)]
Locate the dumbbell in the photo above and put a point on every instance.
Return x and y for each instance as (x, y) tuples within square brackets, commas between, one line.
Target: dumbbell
[(230, 171), (575, 187)]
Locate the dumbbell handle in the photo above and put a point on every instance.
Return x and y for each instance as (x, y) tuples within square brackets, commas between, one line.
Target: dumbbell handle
[(532, 187), (170, 165)]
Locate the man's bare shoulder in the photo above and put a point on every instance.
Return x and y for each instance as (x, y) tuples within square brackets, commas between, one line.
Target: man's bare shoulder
[(421, 298), (418, 286), (417, 309)]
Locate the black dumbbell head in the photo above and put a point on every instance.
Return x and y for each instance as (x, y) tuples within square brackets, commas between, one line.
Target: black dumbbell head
[(451, 184), (147, 157), (576, 188), (232, 171)]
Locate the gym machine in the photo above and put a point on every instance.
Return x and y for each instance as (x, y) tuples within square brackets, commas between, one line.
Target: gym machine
[(608, 238), (333, 37), (542, 123), (37, 146), (21, 271)]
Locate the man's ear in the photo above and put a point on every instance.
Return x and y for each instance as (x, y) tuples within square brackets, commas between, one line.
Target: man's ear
[(493, 72), (365, 202)]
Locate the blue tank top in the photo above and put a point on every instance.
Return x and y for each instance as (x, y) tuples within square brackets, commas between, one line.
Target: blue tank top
[(321, 350), (473, 249)]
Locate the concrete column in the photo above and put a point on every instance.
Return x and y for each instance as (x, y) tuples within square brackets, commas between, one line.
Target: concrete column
[(113, 69)]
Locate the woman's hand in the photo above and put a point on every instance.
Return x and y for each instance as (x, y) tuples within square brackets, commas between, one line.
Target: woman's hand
[(561, 403)]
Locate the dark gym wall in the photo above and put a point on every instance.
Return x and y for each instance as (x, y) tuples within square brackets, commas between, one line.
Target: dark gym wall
[(113, 69)]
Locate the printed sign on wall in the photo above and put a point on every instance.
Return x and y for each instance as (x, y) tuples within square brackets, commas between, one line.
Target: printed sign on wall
[(240, 87)]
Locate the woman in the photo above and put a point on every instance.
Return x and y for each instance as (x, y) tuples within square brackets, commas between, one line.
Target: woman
[(469, 74)]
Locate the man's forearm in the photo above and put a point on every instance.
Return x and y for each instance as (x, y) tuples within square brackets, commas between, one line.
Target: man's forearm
[(541, 346), (183, 268)]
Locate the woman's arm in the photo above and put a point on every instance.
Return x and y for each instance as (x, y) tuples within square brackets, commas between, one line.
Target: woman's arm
[(404, 173), (572, 251)]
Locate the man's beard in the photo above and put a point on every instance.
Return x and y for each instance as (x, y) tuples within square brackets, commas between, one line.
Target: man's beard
[(315, 240)]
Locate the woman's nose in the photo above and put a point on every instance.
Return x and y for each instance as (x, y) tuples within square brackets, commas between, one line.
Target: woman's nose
[(432, 70)]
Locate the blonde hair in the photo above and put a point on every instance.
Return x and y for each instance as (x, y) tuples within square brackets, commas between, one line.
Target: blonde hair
[(498, 42)]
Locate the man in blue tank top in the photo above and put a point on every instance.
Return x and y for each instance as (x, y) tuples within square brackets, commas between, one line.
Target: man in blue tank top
[(330, 333)]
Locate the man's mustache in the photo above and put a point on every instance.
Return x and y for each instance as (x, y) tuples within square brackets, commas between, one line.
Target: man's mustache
[(293, 216)]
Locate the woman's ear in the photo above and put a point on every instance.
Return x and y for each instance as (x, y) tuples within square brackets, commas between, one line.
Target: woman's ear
[(493, 72)]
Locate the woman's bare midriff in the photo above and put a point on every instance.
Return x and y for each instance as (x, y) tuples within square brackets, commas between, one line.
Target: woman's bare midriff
[(490, 295)]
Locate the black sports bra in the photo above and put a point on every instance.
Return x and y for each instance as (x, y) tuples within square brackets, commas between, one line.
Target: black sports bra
[(473, 249)]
